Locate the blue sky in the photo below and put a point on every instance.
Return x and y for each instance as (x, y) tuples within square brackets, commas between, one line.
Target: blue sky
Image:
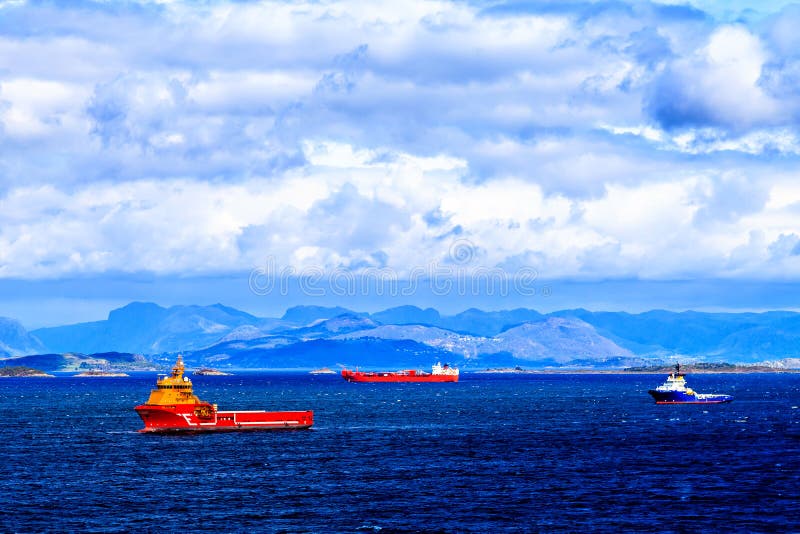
[(167, 151)]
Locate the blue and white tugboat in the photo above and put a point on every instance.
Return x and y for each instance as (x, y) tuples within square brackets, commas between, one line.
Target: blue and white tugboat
[(675, 391)]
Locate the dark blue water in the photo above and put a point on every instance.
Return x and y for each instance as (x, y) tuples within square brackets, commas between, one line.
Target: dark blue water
[(492, 453)]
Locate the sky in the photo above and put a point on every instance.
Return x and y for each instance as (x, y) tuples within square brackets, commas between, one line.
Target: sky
[(609, 155)]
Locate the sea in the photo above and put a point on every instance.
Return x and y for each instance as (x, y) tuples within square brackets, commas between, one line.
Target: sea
[(491, 453)]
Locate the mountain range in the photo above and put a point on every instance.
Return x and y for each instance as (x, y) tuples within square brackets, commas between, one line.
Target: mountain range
[(315, 336)]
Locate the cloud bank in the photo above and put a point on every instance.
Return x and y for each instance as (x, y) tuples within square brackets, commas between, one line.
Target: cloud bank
[(584, 140)]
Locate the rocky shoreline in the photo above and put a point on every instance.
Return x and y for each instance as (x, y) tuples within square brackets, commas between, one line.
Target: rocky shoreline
[(101, 373), (322, 371), (210, 372)]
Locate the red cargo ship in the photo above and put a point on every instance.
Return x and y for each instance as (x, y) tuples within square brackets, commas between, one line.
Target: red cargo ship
[(173, 407), (439, 373)]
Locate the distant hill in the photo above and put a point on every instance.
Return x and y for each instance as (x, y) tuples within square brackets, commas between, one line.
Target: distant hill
[(148, 328), (227, 353), (489, 323), (338, 325), (15, 340), (461, 346), (243, 333), (472, 321), (557, 341), (740, 337), (315, 353), (79, 362)]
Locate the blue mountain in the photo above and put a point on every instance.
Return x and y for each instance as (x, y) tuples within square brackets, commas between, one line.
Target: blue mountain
[(218, 333), (148, 328), (338, 325), (741, 337), (488, 323), (553, 341), (16, 341), (364, 353)]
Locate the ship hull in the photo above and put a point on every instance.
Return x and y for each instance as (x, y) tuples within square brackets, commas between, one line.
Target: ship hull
[(392, 377), (184, 418), (678, 397)]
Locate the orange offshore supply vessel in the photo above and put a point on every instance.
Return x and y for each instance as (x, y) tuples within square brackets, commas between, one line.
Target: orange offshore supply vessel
[(439, 373), (173, 407)]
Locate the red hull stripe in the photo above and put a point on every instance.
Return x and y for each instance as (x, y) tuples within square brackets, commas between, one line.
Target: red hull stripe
[(692, 402), (183, 417), (403, 379), (356, 376)]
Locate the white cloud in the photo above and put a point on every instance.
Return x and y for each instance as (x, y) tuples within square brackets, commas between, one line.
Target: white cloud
[(718, 85), (243, 90), (192, 138), (361, 207), (735, 58), (42, 108)]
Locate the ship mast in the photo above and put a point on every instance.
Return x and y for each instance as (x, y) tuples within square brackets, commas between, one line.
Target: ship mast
[(177, 371)]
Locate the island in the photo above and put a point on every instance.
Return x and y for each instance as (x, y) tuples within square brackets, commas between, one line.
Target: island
[(322, 371), (97, 372), (210, 372), (503, 370), (15, 371)]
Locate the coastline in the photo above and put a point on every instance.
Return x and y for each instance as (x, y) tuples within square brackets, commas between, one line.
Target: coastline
[(43, 375), (742, 370)]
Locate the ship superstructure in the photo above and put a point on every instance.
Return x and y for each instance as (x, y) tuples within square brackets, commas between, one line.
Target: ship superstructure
[(173, 406), (675, 391)]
